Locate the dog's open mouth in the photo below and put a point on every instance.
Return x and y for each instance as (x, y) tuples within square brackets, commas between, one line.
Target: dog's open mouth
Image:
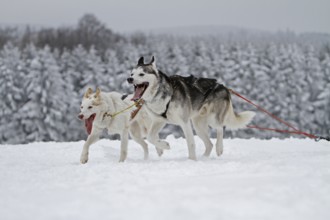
[(89, 123), (139, 89)]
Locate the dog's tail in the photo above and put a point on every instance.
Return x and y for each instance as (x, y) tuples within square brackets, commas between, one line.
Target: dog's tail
[(237, 120)]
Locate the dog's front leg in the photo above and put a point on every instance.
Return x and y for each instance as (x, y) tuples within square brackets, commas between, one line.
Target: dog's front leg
[(123, 145), (189, 135), (92, 138), (153, 137), (135, 132)]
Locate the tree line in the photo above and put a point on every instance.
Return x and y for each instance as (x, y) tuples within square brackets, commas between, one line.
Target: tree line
[(42, 84)]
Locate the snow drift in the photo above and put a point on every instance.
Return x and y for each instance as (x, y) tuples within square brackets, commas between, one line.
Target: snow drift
[(253, 179)]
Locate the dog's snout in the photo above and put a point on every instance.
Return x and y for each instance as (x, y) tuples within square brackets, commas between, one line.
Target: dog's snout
[(130, 80), (80, 116)]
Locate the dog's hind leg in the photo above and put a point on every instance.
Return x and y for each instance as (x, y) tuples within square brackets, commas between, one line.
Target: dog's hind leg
[(123, 145), (135, 133), (189, 135), (201, 128), (219, 143), (92, 138)]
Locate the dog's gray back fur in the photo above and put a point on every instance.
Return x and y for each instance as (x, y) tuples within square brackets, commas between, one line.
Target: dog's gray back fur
[(193, 92)]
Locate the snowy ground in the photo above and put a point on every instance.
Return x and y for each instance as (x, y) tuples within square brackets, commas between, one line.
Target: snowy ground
[(253, 179)]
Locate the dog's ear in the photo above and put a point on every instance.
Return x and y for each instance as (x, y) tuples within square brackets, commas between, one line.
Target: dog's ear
[(88, 92), (141, 61), (153, 62), (97, 93)]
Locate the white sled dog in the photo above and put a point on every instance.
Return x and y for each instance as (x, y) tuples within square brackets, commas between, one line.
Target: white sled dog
[(94, 109), (179, 100)]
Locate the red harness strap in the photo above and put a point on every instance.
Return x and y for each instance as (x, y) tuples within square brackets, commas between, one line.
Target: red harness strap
[(295, 130), (285, 131)]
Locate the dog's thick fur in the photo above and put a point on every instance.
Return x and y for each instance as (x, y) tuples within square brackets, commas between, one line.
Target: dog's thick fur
[(179, 100), (92, 111)]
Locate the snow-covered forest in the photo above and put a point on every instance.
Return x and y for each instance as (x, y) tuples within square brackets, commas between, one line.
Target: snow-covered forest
[(44, 74)]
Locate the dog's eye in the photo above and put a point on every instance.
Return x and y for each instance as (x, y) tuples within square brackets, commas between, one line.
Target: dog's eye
[(89, 107), (141, 74), (81, 107)]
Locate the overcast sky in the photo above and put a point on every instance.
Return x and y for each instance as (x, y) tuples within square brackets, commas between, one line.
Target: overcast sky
[(125, 15)]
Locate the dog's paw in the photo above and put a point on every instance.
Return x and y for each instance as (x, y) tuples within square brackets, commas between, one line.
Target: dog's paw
[(206, 154), (159, 151), (219, 151), (208, 150), (146, 156), (84, 158), (123, 156), (192, 158), (163, 145)]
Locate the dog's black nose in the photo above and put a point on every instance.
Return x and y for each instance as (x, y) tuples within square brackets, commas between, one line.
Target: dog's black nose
[(130, 80)]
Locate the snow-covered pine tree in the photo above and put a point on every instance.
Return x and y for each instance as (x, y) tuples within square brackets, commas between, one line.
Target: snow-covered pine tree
[(71, 79), (295, 84), (112, 68), (325, 94), (128, 55), (176, 62), (315, 81), (97, 68), (12, 73), (89, 69), (69, 68), (267, 89), (82, 74), (46, 112)]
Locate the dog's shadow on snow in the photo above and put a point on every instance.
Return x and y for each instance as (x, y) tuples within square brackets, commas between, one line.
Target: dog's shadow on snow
[(135, 155), (111, 153)]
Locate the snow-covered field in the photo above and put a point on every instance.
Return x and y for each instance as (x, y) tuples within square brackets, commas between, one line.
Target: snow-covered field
[(253, 179)]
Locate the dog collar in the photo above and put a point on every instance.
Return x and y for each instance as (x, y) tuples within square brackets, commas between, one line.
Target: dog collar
[(164, 114), (138, 108)]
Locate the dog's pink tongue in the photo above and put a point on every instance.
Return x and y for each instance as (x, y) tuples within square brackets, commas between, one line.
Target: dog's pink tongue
[(138, 92), (89, 124)]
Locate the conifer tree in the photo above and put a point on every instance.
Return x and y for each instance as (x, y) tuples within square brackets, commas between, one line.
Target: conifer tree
[(12, 74)]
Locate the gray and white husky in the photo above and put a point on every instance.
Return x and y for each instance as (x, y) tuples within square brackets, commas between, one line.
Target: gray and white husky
[(179, 100)]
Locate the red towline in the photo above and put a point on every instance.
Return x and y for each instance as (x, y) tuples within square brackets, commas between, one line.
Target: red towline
[(294, 131)]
